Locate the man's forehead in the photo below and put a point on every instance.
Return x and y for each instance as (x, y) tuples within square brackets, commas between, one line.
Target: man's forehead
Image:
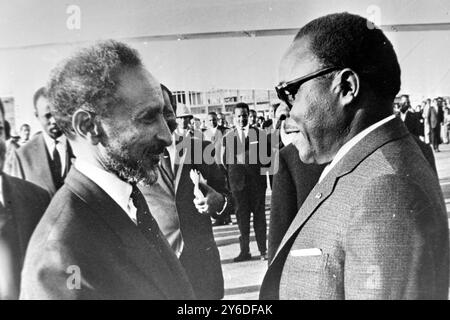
[(43, 105), (138, 86), (298, 61), (240, 111)]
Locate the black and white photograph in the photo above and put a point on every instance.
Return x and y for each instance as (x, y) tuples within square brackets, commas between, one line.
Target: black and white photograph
[(232, 151)]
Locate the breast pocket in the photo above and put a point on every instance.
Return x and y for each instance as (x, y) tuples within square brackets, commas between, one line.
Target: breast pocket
[(304, 276)]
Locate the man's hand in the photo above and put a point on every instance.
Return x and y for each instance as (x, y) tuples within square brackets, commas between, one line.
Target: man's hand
[(212, 202)]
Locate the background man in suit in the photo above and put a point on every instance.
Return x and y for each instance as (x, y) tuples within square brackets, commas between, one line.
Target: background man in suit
[(215, 134), (252, 118), (21, 206), (242, 159), (186, 225), (375, 225), (98, 227), (46, 159), (409, 117), (24, 134), (435, 125), (222, 121)]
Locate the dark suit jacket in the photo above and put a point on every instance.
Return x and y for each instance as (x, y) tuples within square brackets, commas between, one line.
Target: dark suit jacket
[(412, 122), (427, 152), (291, 185), (217, 137), (433, 118), (243, 161), (25, 204), (375, 228), (200, 256), (86, 247), (31, 162)]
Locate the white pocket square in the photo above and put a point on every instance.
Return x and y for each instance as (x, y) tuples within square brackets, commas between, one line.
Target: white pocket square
[(254, 142), (306, 252)]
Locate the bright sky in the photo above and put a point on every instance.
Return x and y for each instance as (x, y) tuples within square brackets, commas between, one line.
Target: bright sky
[(34, 36)]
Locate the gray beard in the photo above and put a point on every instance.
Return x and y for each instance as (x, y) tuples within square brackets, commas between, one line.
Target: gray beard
[(129, 170)]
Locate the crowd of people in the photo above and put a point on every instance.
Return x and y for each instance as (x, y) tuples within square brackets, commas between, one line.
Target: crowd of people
[(116, 197), (430, 120)]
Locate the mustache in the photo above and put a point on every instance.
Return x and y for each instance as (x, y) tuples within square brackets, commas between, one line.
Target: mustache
[(154, 150)]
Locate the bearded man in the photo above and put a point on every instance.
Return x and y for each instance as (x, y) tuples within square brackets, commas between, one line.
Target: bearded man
[(98, 239)]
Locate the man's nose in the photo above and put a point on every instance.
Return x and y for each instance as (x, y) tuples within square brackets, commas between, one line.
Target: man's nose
[(290, 126), (282, 109), (164, 134)]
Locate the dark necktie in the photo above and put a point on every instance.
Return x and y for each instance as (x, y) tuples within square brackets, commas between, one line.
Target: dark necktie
[(145, 221), (56, 165), (167, 165)]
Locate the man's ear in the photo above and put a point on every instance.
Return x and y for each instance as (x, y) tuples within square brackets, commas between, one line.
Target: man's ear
[(348, 85), (85, 126)]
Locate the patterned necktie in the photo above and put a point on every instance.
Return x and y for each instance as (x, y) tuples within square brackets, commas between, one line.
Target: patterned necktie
[(145, 221)]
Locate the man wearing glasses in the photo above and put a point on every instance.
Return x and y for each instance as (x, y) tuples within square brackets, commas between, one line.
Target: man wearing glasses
[(375, 225)]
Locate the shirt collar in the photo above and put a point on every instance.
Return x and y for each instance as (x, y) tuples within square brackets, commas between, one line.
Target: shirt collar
[(50, 142), (118, 190), (351, 143), (246, 128)]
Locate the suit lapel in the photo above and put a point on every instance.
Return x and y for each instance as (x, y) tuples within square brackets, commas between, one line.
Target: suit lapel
[(165, 182), (392, 130), (40, 151), (154, 265), (318, 194), (179, 165)]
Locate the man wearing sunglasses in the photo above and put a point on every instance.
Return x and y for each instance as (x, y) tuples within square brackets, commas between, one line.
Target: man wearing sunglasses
[(375, 225)]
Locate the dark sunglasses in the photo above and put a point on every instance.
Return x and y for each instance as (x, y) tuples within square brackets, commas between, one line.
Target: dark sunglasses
[(286, 91)]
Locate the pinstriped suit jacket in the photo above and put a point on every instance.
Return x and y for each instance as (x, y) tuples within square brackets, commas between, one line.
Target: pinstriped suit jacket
[(377, 227)]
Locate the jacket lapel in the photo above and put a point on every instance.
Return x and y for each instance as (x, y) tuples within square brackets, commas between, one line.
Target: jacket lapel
[(165, 182), (45, 175), (179, 168), (154, 265), (392, 130)]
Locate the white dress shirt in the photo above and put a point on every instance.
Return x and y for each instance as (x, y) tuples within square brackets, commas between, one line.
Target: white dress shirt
[(172, 150), (403, 115), (351, 143), (61, 147), (118, 190), (245, 129)]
